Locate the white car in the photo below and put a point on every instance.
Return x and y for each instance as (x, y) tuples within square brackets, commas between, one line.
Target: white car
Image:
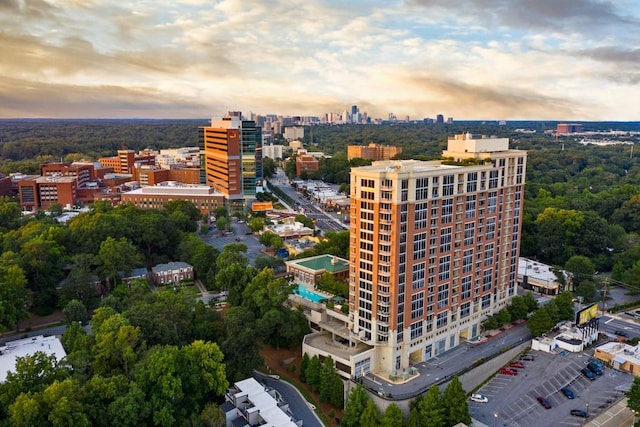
[(480, 398)]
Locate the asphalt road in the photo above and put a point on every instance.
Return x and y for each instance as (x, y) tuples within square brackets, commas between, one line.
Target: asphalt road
[(447, 364), (325, 221), (297, 403)]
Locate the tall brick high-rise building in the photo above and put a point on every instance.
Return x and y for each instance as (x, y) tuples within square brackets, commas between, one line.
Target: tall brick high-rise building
[(233, 158), (434, 250)]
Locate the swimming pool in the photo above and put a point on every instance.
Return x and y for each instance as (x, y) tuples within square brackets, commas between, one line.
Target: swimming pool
[(310, 295)]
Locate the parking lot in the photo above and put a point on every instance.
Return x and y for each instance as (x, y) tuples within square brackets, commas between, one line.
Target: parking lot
[(512, 399)]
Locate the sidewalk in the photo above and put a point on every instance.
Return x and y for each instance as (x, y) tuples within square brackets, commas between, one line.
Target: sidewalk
[(618, 415)]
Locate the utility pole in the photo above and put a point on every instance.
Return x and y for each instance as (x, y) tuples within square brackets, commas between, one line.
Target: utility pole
[(605, 283)]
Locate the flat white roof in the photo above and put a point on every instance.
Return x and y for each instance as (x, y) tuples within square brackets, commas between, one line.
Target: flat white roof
[(265, 403), (541, 274), (26, 347)]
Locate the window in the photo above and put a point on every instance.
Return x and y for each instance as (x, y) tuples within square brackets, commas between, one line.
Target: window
[(468, 234), (416, 330), (470, 210), (419, 246), (466, 287), (493, 201), (493, 178), (443, 296), (444, 268), (472, 182), (467, 260), (445, 239), (369, 183), (441, 320), (417, 305), (447, 185), (488, 255), (418, 276), (465, 309), (421, 215), (486, 280), (447, 211), (486, 301), (422, 188), (490, 229)]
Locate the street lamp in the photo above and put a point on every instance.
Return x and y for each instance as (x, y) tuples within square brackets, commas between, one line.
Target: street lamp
[(495, 419)]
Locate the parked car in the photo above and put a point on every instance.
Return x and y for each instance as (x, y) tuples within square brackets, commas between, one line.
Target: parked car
[(480, 398), (544, 402), (527, 357), (579, 413), (516, 365), (599, 363), (587, 373), (595, 368), (621, 333), (508, 371), (568, 392)]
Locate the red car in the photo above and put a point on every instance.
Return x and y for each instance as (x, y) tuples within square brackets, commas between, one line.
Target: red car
[(544, 402), (516, 365), (508, 371)]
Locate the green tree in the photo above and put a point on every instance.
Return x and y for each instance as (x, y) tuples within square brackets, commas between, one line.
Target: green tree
[(313, 373), (564, 303), (581, 268), (392, 416), (305, 220), (503, 316), (10, 214), (431, 408), (455, 403), (327, 370), (540, 322), (115, 256), (212, 415), (13, 294), (304, 364), (518, 308), (223, 223), (63, 405), (75, 311), (27, 411), (256, 224), (117, 346), (633, 395), (80, 284), (586, 289), (371, 415), (268, 167), (241, 344), (32, 375), (354, 408)]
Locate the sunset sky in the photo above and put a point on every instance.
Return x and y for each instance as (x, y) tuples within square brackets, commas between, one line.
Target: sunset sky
[(470, 59)]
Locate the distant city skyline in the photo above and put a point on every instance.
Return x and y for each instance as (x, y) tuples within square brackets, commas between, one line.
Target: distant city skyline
[(568, 60)]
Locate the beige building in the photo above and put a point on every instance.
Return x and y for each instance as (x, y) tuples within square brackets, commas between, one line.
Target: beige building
[(620, 356), (434, 251), (373, 151)]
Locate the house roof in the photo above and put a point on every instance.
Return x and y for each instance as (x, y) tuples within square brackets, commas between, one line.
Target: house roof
[(330, 263), (175, 265)]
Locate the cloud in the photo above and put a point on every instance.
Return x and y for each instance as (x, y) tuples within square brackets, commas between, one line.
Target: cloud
[(583, 16), (20, 98)]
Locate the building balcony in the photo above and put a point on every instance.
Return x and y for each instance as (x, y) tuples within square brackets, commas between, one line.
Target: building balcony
[(382, 304), (386, 221)]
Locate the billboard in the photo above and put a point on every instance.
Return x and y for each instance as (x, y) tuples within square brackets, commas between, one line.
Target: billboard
[(586, 314)]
